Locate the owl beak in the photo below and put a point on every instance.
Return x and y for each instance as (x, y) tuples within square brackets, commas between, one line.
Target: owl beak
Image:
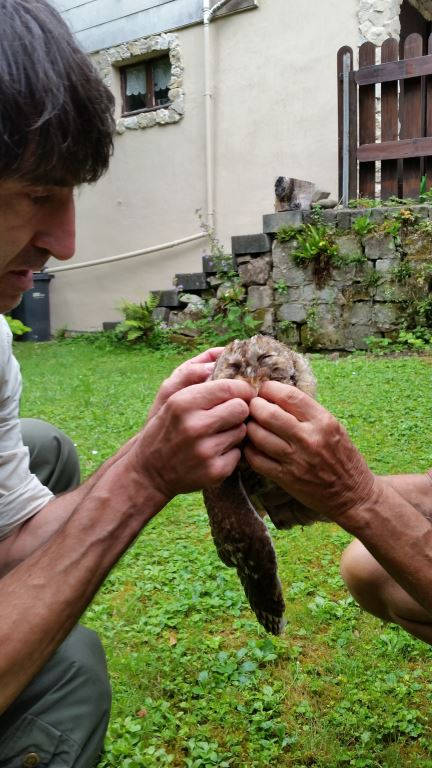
[(255, 384)]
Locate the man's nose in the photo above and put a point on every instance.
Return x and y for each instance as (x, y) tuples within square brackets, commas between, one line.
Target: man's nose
[(56, 232)]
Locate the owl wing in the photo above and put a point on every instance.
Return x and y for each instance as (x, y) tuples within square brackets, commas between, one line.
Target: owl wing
[(243, 542), (283, 510)]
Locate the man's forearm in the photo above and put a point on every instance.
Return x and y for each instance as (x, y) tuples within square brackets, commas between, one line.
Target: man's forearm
[(46, 594), (398, 535), (416, 489), (38, 529)]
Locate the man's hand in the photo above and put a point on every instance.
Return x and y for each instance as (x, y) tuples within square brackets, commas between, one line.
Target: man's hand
[(192, 440), (194, 371), (304, 449)]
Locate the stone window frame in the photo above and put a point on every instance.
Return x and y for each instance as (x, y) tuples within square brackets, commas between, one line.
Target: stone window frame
[(110, 61)]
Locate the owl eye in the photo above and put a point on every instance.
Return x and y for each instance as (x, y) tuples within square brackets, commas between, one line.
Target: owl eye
[(264, 359)]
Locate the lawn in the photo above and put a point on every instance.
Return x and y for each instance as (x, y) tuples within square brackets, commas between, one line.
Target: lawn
[(196, 681)]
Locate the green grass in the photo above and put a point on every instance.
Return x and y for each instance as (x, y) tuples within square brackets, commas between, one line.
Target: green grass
[(196, 681)]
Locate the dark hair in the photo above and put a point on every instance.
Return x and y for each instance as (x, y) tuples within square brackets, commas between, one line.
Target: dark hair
[(56, 114)]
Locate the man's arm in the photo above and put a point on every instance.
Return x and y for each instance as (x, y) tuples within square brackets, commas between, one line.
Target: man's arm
[(38, 529), (302, 447), (189, 443)]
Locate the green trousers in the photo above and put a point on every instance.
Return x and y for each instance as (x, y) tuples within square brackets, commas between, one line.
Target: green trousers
[(60, 719)]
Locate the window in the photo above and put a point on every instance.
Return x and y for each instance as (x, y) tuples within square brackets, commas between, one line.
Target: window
[(146, 85)]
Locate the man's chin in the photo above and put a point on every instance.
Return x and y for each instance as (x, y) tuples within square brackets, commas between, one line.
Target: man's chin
[(8, 306)]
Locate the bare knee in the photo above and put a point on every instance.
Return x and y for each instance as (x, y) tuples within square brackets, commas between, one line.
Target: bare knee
[(365, 579)]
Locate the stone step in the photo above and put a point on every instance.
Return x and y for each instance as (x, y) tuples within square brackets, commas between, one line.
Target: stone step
[(168, 298), (213, 264), (273, 221), (191, 281), (250, 244)]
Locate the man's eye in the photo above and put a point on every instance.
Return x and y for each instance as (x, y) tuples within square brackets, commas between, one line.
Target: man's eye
[(40, 199)]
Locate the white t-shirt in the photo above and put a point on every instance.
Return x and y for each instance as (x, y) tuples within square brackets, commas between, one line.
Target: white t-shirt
[(21, 493)]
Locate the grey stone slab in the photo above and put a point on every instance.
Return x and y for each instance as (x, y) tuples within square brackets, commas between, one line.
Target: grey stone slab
[(259, 297), (329, 216), (251, 244), (385, 265), (168, 298), (292, 312), (379, 245), (109, 325), (359, 313), (377, 215), (386, 316), (343, 219), (422, 211), (266, 319), (349, 247), (161, 314), (191, 281), (273, 221), (284, 267), (356, 335)]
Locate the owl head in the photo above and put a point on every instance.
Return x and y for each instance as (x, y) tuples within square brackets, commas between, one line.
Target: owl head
[(262, 358)]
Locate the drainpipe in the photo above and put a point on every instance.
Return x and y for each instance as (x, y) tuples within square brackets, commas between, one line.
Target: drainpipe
[(208, 14)]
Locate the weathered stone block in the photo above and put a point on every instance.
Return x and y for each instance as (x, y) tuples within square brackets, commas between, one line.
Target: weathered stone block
[(284, 267), (422, 211), (385, 316), (265, 317), (385, 265), (343, 219), (273, 221), (292, 312), (191, 281), (359, 313), (379, 245), (161, 314), (356, 335), (168, 298), (377, 215), (349, 247), (417, 245), (329, 217), (251, 244), (255, 272), (259, 297)]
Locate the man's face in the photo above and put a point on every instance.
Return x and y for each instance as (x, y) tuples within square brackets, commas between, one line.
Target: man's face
[(36, 222)]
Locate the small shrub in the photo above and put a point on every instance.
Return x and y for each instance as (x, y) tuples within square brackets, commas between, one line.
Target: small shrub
[(286, 234), (17, 327), (139, 324), (362, 226)]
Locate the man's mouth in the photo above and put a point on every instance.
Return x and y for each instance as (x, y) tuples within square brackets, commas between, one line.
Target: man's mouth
[(21, 279)]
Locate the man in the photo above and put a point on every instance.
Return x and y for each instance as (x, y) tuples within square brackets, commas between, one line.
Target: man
[(56, 129), (388, 567)]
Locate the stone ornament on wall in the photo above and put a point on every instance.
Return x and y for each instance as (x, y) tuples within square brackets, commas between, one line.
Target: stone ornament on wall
[(380, 19), (110, 60)]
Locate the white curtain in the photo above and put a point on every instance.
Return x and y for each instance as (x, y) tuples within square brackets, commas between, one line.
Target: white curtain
[(136, 81), (162, 74)]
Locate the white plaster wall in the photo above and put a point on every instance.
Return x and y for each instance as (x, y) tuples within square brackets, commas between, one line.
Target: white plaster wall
[(276, 113)]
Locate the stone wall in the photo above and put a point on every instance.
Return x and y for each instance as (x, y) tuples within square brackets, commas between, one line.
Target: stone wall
[(363, 296), (359, 299)]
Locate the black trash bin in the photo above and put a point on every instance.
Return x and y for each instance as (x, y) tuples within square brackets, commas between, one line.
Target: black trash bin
[(34, 309)]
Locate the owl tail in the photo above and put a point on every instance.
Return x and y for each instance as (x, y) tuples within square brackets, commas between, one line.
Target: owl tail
[(243, 542)]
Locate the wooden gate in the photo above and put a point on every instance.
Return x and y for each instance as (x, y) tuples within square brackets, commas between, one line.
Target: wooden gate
[(385, 116)]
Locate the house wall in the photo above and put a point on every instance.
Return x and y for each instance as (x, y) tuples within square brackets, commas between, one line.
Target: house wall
[(275, 114)]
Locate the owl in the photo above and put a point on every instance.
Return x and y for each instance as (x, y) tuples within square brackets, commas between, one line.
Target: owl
[(237, 506)]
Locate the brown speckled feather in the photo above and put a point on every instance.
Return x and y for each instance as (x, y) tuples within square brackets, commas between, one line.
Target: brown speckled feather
[(235, 508)]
